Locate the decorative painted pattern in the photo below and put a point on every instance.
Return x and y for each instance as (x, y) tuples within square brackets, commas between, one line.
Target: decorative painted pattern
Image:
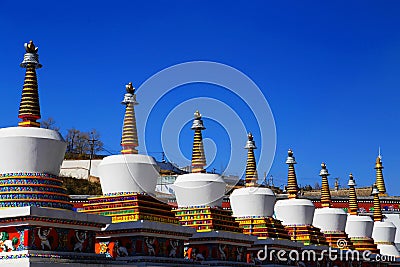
[(130, 207), (206, 219), (33, 189), (141, 246)]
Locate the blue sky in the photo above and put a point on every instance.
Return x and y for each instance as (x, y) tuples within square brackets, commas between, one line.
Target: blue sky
[(329, 71)]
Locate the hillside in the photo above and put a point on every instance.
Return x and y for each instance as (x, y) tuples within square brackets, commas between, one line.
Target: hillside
[(81, 186)]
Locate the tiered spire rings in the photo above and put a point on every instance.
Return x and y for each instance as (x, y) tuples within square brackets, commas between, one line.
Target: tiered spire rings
[(292, 187), (251, 168), (325, 192), (377, 204), (380, 183), (353, 204), (129, 140), (198, 157), (29, 109)]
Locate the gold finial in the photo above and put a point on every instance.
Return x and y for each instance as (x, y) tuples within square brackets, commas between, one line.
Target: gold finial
[(130, 89), (377, 204), (325, 192), (30, 47), (197, 115), (250, 136)]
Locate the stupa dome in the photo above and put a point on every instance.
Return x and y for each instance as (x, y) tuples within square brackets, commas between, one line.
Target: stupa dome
[(359, 226), (128, 173), (330, 219), (384, 232), (31, 150), (199, 189), (252, 201), (295, 211)]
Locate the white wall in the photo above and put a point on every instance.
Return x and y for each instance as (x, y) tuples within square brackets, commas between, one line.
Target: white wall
[(79, 168)]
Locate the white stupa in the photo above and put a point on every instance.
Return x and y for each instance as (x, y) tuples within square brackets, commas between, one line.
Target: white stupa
[(199, 188), (294, 211), (128, 172), (252, 200), (199, 198), (331, 221), (384, 232), (358, 228), (35, 210), (253, 206), (31, 157), (297, 214)]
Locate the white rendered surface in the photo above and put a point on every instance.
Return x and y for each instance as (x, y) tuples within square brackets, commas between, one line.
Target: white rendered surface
[(395, 219), (359, 226), (384, 232), (330, 219), (199, 189), (252, 201), (30, 211), (390, 250), (30, 149), (128, 173), (79, 168), (295, 211)]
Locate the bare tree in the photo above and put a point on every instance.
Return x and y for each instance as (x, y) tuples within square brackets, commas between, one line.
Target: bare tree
[(81, 145), (49, 123), (317, 186)]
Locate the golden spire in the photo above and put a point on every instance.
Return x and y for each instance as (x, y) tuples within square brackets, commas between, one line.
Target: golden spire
[(325, 192), (380, 183), (251, 169), (198, 157), (353, 204), (377, 205), (292, 188), (29, 108), (129, 140)]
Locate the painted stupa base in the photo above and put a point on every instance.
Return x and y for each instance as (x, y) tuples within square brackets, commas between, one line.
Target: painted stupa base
[(338, 239), (307, 234), (38, 258), (143, 229), (205, 219), (33, 189), (45, 233), (129, 207), (263, 227), (144, 241), (219, 248), (364, 243)]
